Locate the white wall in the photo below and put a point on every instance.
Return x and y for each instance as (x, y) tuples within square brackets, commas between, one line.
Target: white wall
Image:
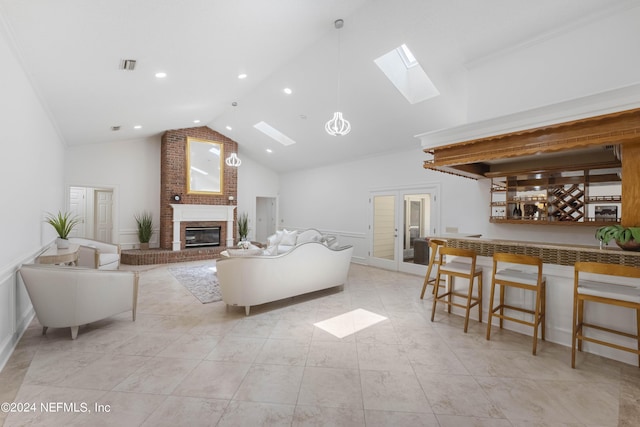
[(254, 180), (132, 169), (336, 198), (31, 172), (582, 60)]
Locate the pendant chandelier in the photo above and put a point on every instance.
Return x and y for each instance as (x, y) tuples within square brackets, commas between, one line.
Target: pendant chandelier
[(338, 125), (233, 160)]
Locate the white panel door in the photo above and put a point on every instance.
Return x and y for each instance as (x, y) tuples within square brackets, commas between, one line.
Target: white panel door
[(104, 215), (78, 208)]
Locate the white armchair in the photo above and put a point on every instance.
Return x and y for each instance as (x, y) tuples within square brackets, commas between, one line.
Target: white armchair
[(97, 254), (73, 296)]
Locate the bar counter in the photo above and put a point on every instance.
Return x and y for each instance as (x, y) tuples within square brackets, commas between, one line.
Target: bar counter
[(558, 269), (551, 253)]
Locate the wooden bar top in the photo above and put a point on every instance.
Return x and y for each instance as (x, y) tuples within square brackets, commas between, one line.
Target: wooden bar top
[(551, 253)]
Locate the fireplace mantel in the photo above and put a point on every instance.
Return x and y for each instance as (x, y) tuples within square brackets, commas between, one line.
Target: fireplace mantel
[(201, 213)]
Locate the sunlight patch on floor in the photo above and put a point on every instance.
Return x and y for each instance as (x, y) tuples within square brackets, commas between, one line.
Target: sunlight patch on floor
[(349, 323)]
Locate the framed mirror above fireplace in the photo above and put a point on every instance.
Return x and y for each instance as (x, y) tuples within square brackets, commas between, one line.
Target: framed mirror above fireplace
[(204, 166)]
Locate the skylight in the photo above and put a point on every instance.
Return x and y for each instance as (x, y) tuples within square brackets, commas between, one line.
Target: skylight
[(407, 56), (274, 133), (405, 72)]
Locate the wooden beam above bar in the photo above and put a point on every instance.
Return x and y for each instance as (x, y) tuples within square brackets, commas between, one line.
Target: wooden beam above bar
[(611, 129)]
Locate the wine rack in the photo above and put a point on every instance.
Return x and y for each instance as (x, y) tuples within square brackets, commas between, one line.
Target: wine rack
[(566, 203), (559, 198)]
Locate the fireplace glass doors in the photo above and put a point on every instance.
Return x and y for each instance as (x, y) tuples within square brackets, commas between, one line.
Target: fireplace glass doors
[(202, 236)]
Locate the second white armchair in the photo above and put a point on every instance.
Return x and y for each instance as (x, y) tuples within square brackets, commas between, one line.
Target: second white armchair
[(97, 254)]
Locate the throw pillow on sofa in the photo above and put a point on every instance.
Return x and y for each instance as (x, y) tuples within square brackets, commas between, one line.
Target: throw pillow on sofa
[(288, 238)]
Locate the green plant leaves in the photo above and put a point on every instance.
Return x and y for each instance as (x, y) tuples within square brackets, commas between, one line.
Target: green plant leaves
[(145, 226), (618, 233), (63, 223)]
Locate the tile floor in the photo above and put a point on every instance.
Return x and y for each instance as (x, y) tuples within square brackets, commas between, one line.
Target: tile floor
[(192, 364)]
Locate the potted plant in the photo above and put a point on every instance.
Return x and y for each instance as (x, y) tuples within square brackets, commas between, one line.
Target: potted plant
[(63, 223), (628, 238), (145, 229), (243, 226)]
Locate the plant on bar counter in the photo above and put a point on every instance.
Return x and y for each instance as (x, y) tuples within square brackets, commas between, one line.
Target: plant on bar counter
[(626, 237)]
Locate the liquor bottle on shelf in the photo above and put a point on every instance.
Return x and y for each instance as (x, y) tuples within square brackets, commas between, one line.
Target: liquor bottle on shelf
[(517, 213)]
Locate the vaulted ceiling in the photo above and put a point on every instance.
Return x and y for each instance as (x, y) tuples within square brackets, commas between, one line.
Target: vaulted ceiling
[(72, 51)]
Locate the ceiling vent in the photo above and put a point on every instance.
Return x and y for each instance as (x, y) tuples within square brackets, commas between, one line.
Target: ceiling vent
[(115, 128), (128, 64)]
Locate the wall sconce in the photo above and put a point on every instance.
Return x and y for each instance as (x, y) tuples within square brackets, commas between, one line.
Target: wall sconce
[(231, 199)]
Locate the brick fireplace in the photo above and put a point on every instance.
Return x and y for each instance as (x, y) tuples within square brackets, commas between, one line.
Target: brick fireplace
[(206, 210)]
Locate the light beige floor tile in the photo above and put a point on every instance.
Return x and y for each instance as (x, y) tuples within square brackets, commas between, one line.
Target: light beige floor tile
[(53, 367), (457, 395), (329, 354), (388, 418), (590, 404), (190, 347), (121, 409), (187, 411), (210, 379), (459, 421), (236, 349), (147, 344), (242, 414), (393, 391), (383, 357), (254, 326), (283, 352), (318, 416), (271, 384), (159, 375), (331, 387), (299, 330), (105, 373), (524, 399)]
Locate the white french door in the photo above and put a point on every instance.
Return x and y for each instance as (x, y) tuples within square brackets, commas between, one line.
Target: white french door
[(400, 219)]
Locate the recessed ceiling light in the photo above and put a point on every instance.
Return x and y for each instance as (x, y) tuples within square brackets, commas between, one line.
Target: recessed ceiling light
[(269, 150), (229, 127), (288, 91), (161, 75), (196, 121), (242, 76), (137, 127)]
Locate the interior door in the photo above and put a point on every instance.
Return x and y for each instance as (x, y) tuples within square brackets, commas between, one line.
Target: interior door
[(265, 218), (104, 215), (384, 231), (78, 207), (400, 222)]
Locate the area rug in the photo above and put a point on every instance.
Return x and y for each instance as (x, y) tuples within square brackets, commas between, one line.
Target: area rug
[(200, 280)]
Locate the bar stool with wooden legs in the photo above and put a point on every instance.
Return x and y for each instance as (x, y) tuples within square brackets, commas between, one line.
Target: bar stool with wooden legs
[(530, 281), (463, 270), (434, 259), (597, 288)]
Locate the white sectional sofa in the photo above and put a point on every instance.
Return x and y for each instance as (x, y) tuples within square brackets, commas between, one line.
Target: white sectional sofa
[(307, 267)]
